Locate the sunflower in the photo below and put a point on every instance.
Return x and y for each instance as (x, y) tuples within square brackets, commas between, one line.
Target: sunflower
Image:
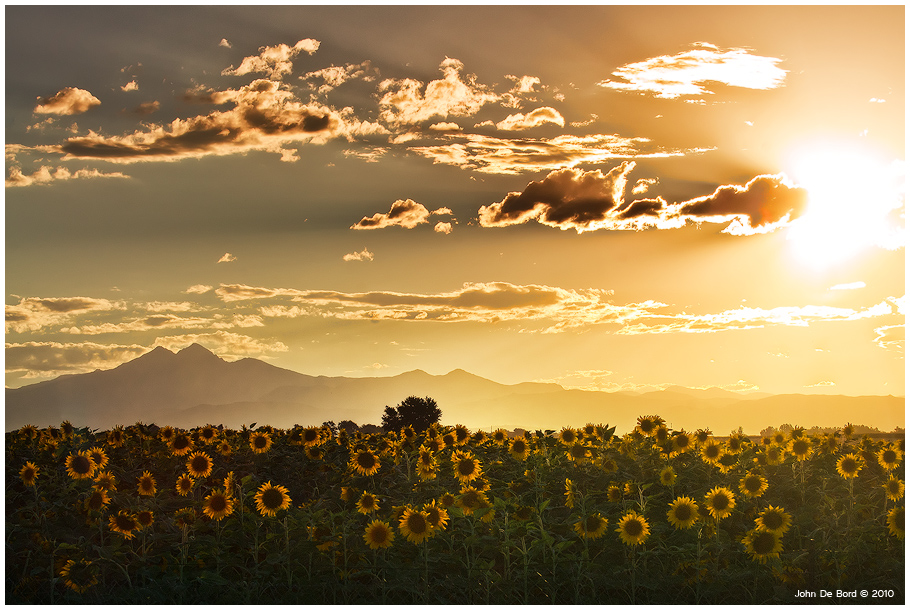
[(773, 519), (661, 435), (848, 430), (312, 436), (702, 435), (894, 489), (614, 493), (28, 474), (471, 499), (80, 465), (367, 503), (105, 480), (667, 476), (272, 498), (773, 455), (97, 500), (682, 442), (224, 448), (568, 436), (185, 484), (199, 465), (185, 517), (576, 451), (519, 449), (633, 528), (896, 522), (181, 444), (848, 466), (365, 462), (447, 500), (763, 545), (145, 518), (467, 467), (462, 434), (570, 493), (146, 484), (500, 436), (347, 494), (753, 485), (683, 513), (115, 437), (801, 448), (98, 456), (260, 442), (166, 434), (124, 523), (414, 525), (208, 434), (79, 575), (229, 483), (593, 526), (608, 464), (436, 515), (889, 457), (29, 431), (378, 535), (218, 505), (779, 438), (648, 425), (712, 451), (720, 502)]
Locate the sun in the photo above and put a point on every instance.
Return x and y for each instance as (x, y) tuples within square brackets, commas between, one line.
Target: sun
[(856, 200)]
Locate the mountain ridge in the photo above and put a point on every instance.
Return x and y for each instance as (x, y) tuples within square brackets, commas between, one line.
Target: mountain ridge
[(194, 386)]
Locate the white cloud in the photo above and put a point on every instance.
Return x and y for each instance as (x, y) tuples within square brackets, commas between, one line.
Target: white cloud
[(274, 61), (850, 286), (363, 255), (67, 101), (535, 118), (227, 258), (46, 174), (130, 86)]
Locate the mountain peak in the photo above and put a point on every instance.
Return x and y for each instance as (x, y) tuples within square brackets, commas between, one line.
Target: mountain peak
[(196, 351)]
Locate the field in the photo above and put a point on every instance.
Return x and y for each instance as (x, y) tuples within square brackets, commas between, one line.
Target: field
[(144, 514)]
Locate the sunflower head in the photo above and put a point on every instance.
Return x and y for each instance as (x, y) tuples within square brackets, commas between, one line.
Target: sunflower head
[(720, 502), (272, 498), (124, 523), (367, 503), (667, 476), (365, 462), (568, 436), (773, 519), (896, 522), (681, 442), (199, 465), (762, 545), (378, 535), (146, 484), (633, 529), (614, 493), (184, 484), (218, 505), (801, 447), (79, 575), (145, 518), (415, 526), (849, 465), (260, 441), (889, 457), (98, 456), (753, 485), (80, 465), (462, 435), (519, 448), (467, 467), (894, 489), (683, 513), (592, 526), (181, 444), (500, 436), (97, 500), (576, 451), (105, 480), (28, 474), (208, 434)]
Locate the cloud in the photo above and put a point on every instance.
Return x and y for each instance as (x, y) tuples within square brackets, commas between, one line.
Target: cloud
[(492, 155), (525, 84), (642, 185), (364, 255), (40, 359), (687, 73), (445, 127), (146, 108), (335, 76), (33, 313), (46, 175), (891, 337), (403, 103), (130, 86), (224, 43), (567, 199), (265, 116), (765, 203), (273, 61), (67, 101), (198, 289), (443, 227), (225, 344), (850, 286), (535, 118), (227, 257), (405, 213), (821, 384)]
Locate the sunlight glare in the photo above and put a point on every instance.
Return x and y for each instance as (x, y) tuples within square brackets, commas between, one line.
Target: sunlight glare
[(856, 201)]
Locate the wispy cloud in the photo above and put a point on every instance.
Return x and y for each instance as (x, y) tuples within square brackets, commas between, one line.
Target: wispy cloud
[(46, 174), (33, 313), (335, 76), (849, 286), (363, 255), (67, 101), (689, 72), (535, 118), (227, 257)]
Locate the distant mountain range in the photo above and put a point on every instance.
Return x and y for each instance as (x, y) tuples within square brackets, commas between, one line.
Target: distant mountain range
[(194, 387)]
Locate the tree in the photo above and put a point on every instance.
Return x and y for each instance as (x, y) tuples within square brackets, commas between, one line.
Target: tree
[(419, 413)]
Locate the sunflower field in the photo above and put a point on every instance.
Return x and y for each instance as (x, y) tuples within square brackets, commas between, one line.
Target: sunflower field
[(148, 514)]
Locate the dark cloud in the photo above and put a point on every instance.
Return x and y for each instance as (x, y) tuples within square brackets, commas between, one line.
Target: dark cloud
[(762, 203), (567, 198)]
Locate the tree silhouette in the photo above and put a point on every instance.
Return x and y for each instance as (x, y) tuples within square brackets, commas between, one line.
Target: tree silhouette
[(419, 413)]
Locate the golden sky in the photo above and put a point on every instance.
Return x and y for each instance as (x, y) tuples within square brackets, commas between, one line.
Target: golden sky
[(609, 197)]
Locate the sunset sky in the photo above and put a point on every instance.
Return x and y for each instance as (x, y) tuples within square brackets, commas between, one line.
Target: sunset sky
[(608, 197)]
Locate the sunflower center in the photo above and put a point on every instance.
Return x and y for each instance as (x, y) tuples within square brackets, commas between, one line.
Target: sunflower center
[(800, 447), (200, 464), (720, 501), (125, 523), (96, 501), (259, 442), (848, 465), (218, 503), (683, 512), (470, 499), (379, 535), (773, 520), (466, 467), (367, 502), (272, 498), (712, 451), (889, 456), (416, 523), (366, 460), (81, 464), (310, 435), (519, 447), (763, 543), (577, 451), (434, 517), (752, 484), (181, 442), (646, 426), (633, 528), (592, 523)]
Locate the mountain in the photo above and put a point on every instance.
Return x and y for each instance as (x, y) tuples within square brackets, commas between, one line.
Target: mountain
[(194, 387)]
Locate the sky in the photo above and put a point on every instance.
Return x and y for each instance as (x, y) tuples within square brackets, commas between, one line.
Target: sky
[(612, 198)]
